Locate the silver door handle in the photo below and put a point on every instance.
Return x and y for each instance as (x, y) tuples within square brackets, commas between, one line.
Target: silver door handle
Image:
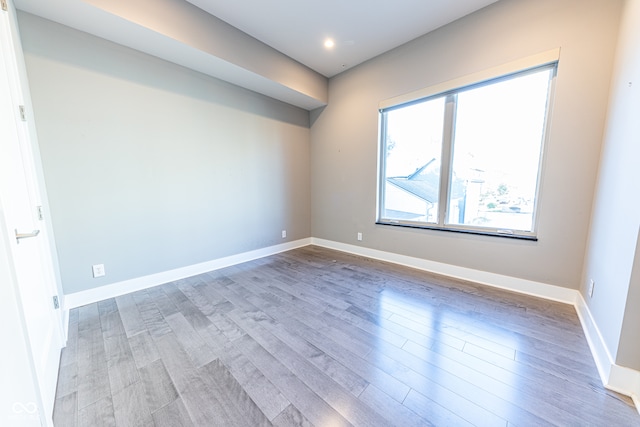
[(19, 236)]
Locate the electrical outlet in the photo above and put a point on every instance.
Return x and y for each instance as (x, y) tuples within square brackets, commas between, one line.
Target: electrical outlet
[(592, 285), (98, 270), (359, 236), (284, 233)]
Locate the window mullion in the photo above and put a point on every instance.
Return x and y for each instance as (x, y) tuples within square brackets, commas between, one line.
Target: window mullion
[(447, 150), (382, 166)]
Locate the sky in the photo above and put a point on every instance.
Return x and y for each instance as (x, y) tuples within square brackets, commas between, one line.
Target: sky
[(499, 130)]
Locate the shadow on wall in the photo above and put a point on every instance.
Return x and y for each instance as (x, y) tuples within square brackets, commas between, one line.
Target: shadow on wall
[(315, 115)]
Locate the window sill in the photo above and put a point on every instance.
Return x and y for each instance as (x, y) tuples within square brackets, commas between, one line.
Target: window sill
[(460, 230)]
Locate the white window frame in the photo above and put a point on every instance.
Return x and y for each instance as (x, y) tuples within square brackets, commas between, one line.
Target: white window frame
[(449, 89)]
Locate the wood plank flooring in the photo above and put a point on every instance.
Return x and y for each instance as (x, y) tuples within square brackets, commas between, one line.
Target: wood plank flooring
[(314, 337)]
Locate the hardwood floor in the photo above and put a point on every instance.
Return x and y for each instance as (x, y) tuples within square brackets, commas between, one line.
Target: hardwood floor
[(318, 337)]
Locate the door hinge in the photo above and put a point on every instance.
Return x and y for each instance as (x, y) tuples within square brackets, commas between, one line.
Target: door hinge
[(4, 5), (40, 213), (23, 115), (56, 304)]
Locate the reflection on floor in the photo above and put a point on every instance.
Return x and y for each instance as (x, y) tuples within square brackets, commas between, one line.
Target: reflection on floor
[(318, 337)]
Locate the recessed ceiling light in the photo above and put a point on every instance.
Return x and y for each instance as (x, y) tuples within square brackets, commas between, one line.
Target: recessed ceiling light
[(329, 43)]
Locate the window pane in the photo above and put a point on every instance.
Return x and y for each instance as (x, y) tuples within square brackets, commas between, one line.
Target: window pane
[(496, 153), (413, 147)]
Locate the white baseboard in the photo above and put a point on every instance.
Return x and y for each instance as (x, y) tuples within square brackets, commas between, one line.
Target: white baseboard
[(528, 287), (78, 299), (625, 381), (614, 377), (599, 350), (523, 286), (65, 323)]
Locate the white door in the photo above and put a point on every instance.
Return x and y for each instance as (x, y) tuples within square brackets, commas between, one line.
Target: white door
[(20, 198)]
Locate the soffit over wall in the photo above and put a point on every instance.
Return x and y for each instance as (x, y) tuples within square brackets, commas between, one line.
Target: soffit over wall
[(273, 49)]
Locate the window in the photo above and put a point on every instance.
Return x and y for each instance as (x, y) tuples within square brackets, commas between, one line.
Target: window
[(468, 158)]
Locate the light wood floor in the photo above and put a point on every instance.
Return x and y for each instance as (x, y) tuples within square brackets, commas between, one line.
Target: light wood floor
[(318, 337)]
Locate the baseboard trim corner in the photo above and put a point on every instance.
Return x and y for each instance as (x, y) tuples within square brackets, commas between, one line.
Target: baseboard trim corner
[(599, 350), (614, 377), (78, 299), (625, 381)]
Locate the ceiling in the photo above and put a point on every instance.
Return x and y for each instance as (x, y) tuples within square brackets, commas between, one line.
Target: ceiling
[(361, 29), (284, 30)]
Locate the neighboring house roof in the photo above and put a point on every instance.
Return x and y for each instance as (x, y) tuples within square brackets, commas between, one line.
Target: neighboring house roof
[(424, 183)]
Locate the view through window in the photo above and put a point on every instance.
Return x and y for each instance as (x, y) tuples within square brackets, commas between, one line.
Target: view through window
[(469, 159)]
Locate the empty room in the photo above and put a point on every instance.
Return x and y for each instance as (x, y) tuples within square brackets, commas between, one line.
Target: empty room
[(420, 213)]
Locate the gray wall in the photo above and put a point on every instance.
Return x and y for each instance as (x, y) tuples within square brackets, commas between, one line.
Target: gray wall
[(150, 166), (612, 255), (344, 135)]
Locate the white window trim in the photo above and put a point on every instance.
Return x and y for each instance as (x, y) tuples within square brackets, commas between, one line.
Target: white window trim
[(523, 64), (518, 66)]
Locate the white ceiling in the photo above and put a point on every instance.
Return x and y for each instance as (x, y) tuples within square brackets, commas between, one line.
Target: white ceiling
[(293, 29), (362, 29)]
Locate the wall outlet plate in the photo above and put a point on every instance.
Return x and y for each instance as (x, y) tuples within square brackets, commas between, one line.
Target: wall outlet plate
[(359, 236), (592, 285), (98, 270), (284, 233)]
